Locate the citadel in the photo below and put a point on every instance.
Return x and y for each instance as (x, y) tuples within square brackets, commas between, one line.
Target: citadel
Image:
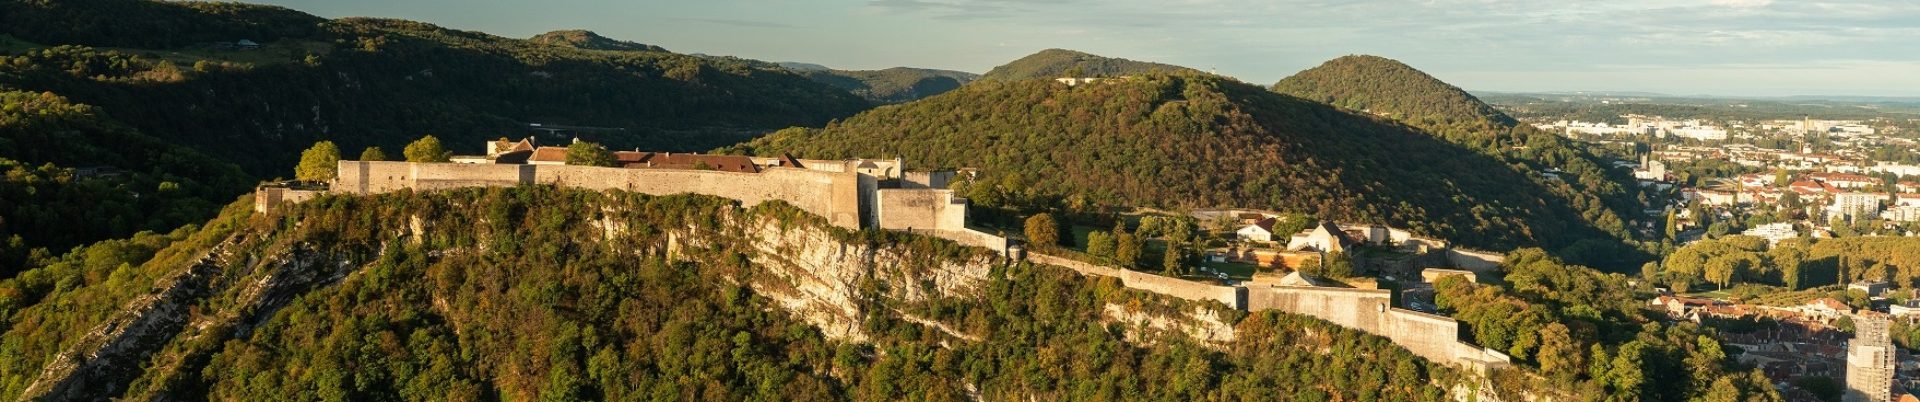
[(860, 194)]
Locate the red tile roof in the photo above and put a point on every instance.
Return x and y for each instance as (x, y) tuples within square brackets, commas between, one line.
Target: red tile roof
[(668, 160), (549, 154)]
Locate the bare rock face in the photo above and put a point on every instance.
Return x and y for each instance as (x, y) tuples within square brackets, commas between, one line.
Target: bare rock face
[(826, 281), (1200, 324)]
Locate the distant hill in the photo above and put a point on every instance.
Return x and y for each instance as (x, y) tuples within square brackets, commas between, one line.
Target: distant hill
[(1197, 140), (582, 39), (1388, 87), (798, 66), (1057, 63), (893, 85), (1607, 198)]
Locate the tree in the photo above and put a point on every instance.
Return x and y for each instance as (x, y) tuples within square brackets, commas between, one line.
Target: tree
[(1174, 262), (1126, 250), (319, 163), (1780, 178), (373, 154), (1722, 269), (1560, 356), (1042, 231), (585, 153), (427, 149), (1673, 226), (1100, 244), (1649, 270), (1337, 265), (1788, 261)]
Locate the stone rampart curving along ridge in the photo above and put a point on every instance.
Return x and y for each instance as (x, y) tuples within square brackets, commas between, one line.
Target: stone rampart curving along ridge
[(852, 199), (833, 195)]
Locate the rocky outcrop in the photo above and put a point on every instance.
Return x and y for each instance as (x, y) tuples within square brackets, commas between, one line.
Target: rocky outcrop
[(1200, 324), (97, 366), (828, 282)]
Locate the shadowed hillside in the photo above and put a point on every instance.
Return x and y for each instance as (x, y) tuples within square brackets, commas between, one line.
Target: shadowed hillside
[(1607, 199), (1199, 141), (893, 85), (173, 96), (362, 82)]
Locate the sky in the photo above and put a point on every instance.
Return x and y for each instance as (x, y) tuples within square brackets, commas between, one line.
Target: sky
[(1681, 47)]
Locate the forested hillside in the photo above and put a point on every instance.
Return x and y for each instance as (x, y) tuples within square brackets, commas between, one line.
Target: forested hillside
[(1200, 141), (1584, 336), (554, 294), (893, 85), (362, 82), (1607, 199), (1057, 63), (74, 176), (167, 96)]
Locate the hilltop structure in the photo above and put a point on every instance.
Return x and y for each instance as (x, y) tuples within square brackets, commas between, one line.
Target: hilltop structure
[(880, 194)]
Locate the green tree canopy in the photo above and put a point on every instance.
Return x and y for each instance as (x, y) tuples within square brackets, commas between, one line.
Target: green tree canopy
[(427, 149), (585, 153), (1100, 244), (1042, 231), (373, 154), (319, 163)]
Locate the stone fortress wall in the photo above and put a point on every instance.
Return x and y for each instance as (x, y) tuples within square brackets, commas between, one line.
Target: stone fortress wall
[(1232, 296), (1433, 337), (833, 195), (850, 198)]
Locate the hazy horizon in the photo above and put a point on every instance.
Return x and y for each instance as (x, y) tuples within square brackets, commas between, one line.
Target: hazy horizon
[(1693, 47)]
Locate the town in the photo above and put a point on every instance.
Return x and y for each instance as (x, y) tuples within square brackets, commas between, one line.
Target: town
[(1778, 181)]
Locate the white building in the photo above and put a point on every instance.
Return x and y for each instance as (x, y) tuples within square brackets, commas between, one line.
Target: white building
[(1904, 213), (1261, 231), (1699, 133), (1855, 205), (1773, 232), (1652, 171)]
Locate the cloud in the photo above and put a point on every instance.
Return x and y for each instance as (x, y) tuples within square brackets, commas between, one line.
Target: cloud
[(1741, 3)]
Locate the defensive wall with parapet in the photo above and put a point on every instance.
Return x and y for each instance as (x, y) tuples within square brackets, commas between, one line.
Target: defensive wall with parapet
[(1232, 296), (833, 195), (1434, 337)]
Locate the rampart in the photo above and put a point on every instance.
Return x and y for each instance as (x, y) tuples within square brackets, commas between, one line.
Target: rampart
[(904, 209), (1230, 295), (1479, 262), (266, 198), (833, 195), (1433, 337)]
